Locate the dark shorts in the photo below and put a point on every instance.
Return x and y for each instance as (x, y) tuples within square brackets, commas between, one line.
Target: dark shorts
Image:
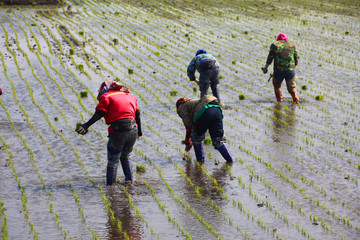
[(289, 77)]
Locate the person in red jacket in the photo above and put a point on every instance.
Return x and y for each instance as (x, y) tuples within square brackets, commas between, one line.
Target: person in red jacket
[(121, 112), (0, 91)]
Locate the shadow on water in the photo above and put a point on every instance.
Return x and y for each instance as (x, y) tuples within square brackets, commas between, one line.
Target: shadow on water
[(284, 120), (122, 211)]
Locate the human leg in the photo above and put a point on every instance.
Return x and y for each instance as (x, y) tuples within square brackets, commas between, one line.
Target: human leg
[(217, 133), (130, 139), (113, 154), (204, 81), (291, 86), (277, 80), (214, 81)]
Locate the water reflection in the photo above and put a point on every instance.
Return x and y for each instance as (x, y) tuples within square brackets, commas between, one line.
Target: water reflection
[(284, 120), (122, 211), (195, 172)]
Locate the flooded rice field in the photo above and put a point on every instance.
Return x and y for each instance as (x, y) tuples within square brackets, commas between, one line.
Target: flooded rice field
[(296, 168)]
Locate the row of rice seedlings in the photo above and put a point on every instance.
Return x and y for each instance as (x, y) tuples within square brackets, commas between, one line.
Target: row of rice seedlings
[(137, 211), (209, 201), (39, 175), (163, 208), (315, 201), (294, 135), (86, 58), (65, 233), (79, 66), (71, 72), (55, 214), (18, 180), (145, 83), (152, 51), (4, 230)]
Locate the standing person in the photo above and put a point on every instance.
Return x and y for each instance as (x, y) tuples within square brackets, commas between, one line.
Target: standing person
[(198, 116), (285, 59), (121, 112), (208, 68), (0, 91)]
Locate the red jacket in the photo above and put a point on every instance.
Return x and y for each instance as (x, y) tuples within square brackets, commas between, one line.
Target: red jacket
[(117, 105)]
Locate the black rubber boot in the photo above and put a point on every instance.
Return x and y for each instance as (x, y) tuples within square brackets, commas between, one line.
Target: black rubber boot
[(111, 175), (225, 153)]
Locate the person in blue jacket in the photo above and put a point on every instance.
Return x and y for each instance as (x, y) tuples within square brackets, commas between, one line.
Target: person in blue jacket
[(209, 70)]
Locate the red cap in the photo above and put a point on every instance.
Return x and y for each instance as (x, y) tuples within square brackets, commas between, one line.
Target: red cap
[(181, 101)]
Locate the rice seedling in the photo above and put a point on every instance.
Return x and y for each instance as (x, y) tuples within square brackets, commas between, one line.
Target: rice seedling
[(173, 93), (319, 97), (140, 168)]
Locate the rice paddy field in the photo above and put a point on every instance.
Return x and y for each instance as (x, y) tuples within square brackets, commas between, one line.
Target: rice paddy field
[(296, 168)]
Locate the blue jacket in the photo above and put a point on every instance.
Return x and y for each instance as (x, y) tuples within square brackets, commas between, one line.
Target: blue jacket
[(195, 63)]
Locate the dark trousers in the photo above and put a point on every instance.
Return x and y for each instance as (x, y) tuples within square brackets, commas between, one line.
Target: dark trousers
[(210, 120), (119, 147), (209, 76)]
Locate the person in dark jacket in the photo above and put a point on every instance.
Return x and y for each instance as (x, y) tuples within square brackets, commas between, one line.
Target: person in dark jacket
[(208, 68), (121, 112), (198, 116)]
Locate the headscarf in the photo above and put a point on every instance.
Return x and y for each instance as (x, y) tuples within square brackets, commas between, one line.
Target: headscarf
[(282, 36), (200, 51), (111, 85), (181, 101)]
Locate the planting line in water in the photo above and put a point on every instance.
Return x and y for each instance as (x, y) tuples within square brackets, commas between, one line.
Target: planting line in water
[(55, 214), (18, 180), (219, 189), (163, 207), (4, 230), (291, 202)]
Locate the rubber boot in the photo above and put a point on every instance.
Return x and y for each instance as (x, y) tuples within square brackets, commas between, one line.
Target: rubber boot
[(278, 94), (199, 152), (111, 173), (225, 153), (295, 96)]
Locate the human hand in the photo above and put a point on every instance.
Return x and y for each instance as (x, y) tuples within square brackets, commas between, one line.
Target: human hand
[(81, 130), (264, 69), (188, 144)]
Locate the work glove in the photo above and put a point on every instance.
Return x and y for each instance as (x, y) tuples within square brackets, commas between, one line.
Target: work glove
[(188, 142), (81, 130)]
